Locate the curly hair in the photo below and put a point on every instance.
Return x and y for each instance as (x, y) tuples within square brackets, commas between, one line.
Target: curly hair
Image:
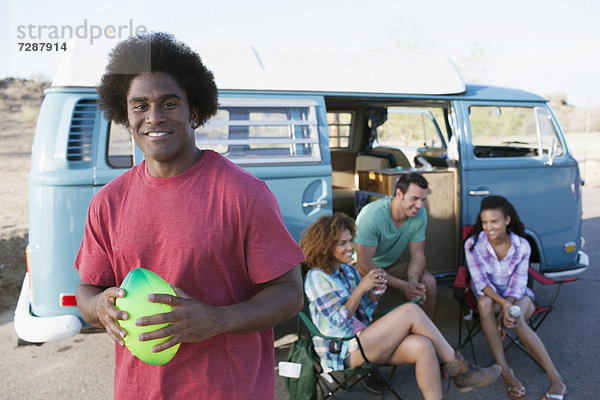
[(319, 239), (155, 52), (498, 203)]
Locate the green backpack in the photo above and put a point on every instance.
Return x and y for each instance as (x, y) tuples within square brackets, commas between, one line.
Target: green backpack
[(305, 387)]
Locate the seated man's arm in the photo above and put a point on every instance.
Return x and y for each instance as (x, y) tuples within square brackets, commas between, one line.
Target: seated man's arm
[(416, 268), (194, 321), (416, 265)]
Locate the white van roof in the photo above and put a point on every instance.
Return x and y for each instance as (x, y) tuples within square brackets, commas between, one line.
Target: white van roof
[(270, 69)]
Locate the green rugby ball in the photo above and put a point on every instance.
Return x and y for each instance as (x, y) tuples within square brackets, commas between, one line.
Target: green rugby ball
[(138, 284)]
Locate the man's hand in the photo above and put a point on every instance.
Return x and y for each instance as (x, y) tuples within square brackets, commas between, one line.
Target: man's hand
[(190, 321), (414, 289), (194, 321), (108, 314), (97, 306)]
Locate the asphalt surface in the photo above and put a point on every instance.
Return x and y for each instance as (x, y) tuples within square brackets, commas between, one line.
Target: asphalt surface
[(82, 366)]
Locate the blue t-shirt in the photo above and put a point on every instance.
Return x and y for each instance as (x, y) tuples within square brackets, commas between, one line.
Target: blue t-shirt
[(375, 227)]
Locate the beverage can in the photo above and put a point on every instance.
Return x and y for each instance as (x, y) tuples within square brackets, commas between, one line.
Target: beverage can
[(515, 313), (378, 290)]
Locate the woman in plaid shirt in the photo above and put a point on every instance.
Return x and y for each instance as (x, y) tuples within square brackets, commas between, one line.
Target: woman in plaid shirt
[(497, 254), (341, 304)]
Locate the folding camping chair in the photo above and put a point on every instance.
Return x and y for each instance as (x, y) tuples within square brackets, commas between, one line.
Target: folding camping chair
[(469, 316), (329, 383)]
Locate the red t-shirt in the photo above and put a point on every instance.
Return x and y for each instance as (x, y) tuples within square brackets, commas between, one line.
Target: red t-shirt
[(214, 231)]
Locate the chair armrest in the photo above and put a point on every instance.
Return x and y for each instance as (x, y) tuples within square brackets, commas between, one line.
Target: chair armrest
[(545, 280), (315, 332)]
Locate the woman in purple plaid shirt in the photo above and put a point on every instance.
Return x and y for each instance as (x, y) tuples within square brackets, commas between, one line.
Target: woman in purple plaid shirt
[(341, 303), (497, 254)]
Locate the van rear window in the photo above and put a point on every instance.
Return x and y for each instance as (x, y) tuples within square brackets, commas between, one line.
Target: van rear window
[(255, 131)]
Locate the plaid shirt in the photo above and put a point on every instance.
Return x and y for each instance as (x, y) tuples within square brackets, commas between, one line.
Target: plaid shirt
[(327, 295), (507, 277)]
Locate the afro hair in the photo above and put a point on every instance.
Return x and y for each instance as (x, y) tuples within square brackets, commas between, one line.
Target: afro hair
[(155, 52)]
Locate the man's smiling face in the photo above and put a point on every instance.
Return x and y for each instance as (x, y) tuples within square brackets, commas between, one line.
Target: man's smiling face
[(412, 201), (160, 119)]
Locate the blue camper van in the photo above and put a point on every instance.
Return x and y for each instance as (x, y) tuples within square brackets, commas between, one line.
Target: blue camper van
[(327, 132)]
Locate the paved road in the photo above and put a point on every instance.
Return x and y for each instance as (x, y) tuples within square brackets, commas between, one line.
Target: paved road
[(82, 367)]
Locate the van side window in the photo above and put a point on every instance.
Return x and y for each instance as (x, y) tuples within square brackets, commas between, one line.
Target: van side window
[(413, 130), (248, 131), (513, 132), (339, 125), (120, 147)]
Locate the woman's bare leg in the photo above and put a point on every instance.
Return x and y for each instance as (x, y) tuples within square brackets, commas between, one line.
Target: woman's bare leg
[(407, 336), (381, 339), (418, 350), (535, 347), (488, 310)]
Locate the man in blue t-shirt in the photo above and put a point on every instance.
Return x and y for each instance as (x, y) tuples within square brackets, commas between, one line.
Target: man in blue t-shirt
[(385, 228)]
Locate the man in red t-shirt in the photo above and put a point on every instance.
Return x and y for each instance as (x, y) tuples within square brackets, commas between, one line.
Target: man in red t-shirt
[(202, 223)]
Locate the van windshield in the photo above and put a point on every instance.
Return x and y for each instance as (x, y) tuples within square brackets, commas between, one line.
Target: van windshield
[(513, 132)]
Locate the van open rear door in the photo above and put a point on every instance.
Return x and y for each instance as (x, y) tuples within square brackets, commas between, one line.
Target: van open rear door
[(515, 149)]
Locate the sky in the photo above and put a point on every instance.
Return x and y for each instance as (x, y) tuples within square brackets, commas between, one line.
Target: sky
[(548, 47)]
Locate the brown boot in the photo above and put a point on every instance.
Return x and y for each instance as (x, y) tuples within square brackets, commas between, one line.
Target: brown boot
[(467, 375)]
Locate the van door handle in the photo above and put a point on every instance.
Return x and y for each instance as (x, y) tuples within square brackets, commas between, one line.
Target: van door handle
[(315, 203), (479, 192)]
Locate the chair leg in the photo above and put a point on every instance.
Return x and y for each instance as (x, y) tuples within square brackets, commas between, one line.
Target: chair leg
[(323, 391), (470, 328), (471, 343), (338, 385), (346, 383), (328, 387), (387, 384), (537, 320), (460, 323)]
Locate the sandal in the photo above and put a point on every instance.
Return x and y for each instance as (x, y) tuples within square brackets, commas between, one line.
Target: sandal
[(548, 396), (517, 393)]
